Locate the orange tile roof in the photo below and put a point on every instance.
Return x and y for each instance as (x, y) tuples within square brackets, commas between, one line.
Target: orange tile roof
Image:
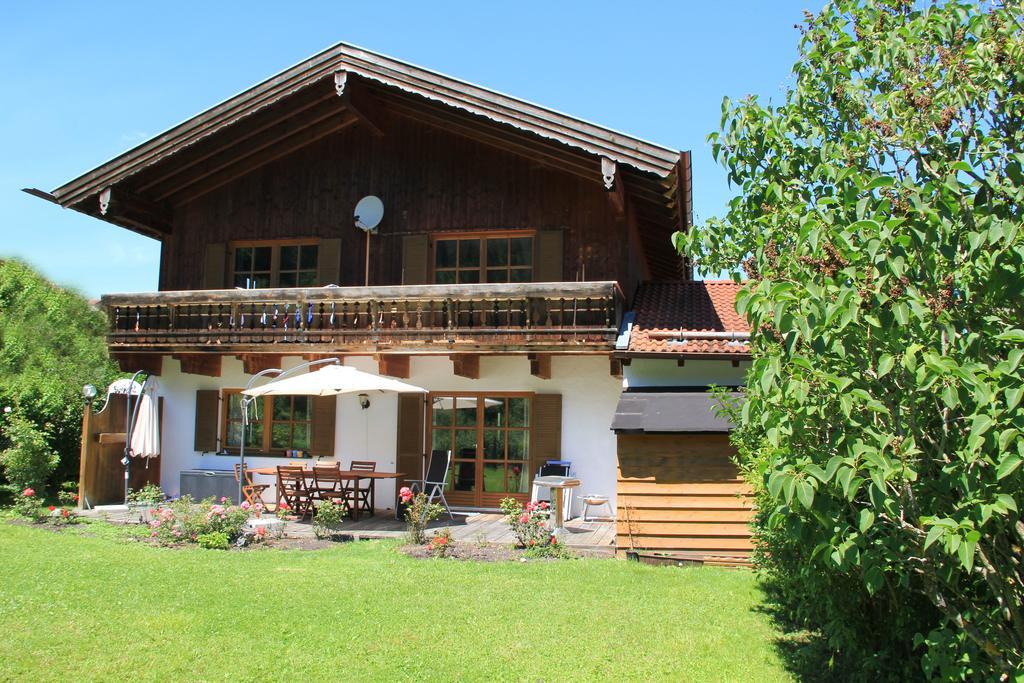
[(696, 306)]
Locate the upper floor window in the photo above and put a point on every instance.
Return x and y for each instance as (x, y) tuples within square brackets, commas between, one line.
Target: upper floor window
[(477, 258), (258, 265)]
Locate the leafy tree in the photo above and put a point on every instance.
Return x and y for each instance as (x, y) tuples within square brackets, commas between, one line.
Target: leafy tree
[(879, 222), (51, 344)]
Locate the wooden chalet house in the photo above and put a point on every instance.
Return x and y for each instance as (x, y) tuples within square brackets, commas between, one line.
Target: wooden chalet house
[(514, 242)]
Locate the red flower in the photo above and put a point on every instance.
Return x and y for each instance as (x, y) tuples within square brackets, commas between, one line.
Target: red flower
[(64, 512), (51, 508)]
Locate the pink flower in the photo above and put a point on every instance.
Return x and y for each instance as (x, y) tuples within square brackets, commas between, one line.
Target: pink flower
[(29, 492), (405, 493), (246, 506), (530, 507), (223, 499), (155, 523), (524, 518), (153, 535), (543, 505)]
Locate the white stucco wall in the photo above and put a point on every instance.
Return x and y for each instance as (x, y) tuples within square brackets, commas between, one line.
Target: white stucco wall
[(589, 397), (658, 372)]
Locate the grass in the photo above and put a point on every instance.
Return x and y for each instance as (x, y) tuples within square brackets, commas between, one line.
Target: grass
[(87, 604)]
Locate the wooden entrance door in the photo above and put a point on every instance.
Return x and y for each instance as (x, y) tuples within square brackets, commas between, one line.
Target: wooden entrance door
[(489, 437)]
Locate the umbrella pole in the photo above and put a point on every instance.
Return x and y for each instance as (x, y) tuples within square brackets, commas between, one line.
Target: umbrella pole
[(246, 400), (129, 426)]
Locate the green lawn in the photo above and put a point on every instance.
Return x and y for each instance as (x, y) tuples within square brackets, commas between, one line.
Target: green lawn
[(86, 605)]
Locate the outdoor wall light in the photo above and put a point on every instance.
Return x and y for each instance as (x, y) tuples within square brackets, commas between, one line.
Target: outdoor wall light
[(364, 401), (89, 393)]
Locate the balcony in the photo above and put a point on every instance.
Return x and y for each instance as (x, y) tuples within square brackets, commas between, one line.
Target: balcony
[(563, 316)]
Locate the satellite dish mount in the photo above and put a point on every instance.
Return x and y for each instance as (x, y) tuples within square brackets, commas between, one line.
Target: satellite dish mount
[(368, 215)]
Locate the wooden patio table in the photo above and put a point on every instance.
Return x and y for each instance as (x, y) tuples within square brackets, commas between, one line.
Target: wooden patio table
[(350, 475)]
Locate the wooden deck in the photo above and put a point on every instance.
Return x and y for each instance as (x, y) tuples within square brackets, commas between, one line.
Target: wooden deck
[(598, 537)]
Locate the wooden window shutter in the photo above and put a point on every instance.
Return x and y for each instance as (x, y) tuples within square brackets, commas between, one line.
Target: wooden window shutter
[(547, 258), (207, 419), (410, 437), (329, 262), (325, 410), (545, 430), (213, 270), (415, 259)]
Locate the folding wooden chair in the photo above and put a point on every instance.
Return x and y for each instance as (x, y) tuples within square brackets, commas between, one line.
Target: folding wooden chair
[(292, 489), (324, 480), (360, 495), (328, 484), (253, 492)]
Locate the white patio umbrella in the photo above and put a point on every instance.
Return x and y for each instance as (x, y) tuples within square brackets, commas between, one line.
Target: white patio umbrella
[(332, 380), (145, 436)]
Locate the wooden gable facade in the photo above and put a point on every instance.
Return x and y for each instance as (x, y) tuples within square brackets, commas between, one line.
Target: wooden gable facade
[(247, 192)]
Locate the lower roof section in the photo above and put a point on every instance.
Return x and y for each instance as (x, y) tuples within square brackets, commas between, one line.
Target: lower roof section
[(669, 412)]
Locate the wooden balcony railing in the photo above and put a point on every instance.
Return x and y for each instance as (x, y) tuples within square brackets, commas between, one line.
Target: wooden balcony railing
[(423, 318)]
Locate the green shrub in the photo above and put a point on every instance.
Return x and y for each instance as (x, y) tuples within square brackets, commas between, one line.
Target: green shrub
[(328, 518), (879, 222), (418, 514), (184, 520), (28, 461), (27, 505), (214, 540), (529, 523)]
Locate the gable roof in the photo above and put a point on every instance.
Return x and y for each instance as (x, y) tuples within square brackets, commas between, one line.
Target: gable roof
[(339, 62), (670, 317)]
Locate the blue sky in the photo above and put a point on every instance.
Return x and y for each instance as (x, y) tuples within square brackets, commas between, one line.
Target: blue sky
[(82, 82)]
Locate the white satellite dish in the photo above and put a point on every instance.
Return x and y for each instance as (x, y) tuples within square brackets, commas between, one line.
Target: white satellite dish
[(369, 213)]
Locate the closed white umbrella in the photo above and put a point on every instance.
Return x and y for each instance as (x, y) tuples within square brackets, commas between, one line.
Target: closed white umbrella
[(145, 437), (332, 380)]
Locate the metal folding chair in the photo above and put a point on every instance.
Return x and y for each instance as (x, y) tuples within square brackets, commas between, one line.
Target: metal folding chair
[(555, 468), (437, 475)]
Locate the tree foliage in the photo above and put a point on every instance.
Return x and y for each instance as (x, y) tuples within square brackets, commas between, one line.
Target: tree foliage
[(879, 222), (51, 343)]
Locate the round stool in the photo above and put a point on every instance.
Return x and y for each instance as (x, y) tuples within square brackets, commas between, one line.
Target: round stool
[(596, 501)]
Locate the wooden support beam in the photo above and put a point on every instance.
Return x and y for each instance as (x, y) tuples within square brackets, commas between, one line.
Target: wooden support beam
[(261, 155), (359, 102), (230, 139), (466, 365), (540, 365), (393, 365), (151, 363), (253, 363), (615, 367), (134, 209), (200, 363), (111, 437)]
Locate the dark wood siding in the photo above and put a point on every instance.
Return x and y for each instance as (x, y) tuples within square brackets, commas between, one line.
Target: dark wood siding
[(681, 492), (430, 180)]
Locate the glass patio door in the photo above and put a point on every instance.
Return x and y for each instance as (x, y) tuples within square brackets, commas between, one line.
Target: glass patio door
[(489, 436)]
